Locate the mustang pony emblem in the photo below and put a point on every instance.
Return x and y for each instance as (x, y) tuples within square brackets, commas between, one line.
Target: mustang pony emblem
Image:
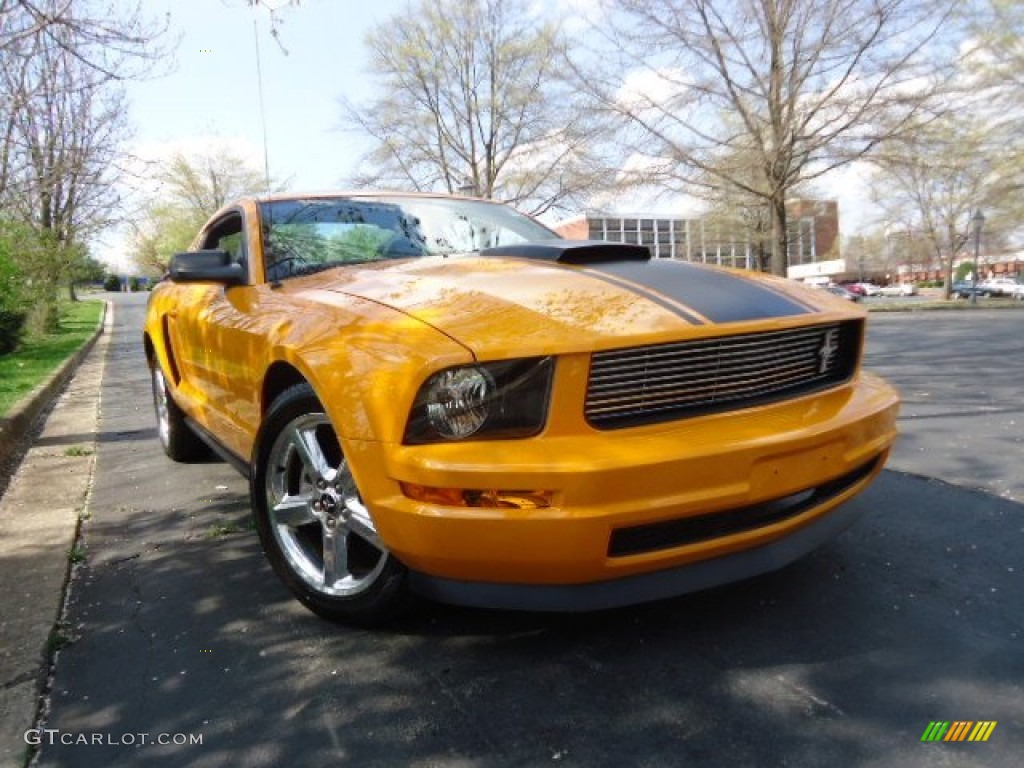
[(828, 348)]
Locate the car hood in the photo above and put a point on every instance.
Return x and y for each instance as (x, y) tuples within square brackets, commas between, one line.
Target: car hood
[(494, 303)]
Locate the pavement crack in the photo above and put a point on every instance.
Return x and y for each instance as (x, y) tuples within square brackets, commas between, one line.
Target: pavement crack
[(24, 677)]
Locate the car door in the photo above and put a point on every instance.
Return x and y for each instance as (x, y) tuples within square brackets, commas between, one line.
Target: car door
[(220, 345)]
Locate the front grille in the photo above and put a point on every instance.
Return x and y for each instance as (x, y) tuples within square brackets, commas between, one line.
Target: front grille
[(667, 534), (665, 382)]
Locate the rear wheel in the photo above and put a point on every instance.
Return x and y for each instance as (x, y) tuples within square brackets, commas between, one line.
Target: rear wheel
[(178, 440), (315, 529)]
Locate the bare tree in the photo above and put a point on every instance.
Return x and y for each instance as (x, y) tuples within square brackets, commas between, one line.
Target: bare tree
[(119, 43), (99, 46), (866, 254), (733, 206), (63, 125), (930, 181), (996, 30), (274, 8), (994, 66), (66, 140), (473, 98), (804, 86)]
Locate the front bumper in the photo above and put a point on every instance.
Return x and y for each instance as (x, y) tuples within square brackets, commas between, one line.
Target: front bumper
[(644, 587), (650, 486)]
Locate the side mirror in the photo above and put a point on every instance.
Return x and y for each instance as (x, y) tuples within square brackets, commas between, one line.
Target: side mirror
[(206, 267)]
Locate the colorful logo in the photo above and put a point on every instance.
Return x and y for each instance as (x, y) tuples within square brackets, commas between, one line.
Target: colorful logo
[(959, 730)]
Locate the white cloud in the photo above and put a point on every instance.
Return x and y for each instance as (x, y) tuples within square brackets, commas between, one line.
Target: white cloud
[(850, 186), (649, 88), (144, 156)]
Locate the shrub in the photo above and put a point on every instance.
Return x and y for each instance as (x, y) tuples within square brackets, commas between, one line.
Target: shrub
[(12, 282), (12, 324), (13, 294), (112, 283), (964, 269)]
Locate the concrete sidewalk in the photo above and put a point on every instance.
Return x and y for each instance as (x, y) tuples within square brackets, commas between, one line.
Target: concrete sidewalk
[(39, 517)]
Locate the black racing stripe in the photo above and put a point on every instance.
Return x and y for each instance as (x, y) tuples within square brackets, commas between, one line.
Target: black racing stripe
[(810, 307), (719, 296), (634, 287)]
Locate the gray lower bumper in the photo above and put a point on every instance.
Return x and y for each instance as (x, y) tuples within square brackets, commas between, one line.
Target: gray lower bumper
[(644, 587)]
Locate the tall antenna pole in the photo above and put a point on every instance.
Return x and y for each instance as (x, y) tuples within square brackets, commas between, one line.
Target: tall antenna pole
[(263, 116)]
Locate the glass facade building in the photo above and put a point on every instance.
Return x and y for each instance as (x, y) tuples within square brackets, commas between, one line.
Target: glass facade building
[(813, 235)]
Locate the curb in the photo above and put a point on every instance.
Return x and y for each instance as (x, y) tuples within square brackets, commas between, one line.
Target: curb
[(19, 421)]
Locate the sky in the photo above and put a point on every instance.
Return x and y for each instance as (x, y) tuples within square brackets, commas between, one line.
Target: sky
[(212, 91), (210, 94)]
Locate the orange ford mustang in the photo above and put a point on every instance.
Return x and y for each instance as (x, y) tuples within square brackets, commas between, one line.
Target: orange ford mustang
[(440, 396)]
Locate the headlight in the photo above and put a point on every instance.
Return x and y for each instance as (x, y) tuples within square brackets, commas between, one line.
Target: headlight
[(457, 401), (486, 401)]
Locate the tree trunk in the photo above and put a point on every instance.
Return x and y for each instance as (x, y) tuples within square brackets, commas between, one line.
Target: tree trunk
[(44, 316), (780, 238)]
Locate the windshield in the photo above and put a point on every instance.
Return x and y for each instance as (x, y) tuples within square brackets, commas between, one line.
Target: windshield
[(301, 236)]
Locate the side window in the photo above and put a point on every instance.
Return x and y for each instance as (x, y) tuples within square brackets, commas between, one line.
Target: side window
[(226, 235)]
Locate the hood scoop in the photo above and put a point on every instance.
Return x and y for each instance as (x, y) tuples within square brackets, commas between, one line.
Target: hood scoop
[(572, 251)]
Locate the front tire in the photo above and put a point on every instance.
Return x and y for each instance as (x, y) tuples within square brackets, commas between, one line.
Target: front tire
[(316, 532)]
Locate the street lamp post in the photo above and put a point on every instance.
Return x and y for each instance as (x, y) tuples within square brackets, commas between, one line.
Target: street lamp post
[(978, 220)]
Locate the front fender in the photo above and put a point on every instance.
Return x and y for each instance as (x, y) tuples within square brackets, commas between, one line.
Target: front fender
[(365, 362)]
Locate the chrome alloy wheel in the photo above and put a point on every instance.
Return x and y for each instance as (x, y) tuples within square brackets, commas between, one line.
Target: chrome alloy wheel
[(160, 400), (316, 516)]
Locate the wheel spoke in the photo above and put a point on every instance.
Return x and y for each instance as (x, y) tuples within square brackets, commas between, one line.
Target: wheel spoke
[(344, 483), (312, 455), (335, 555), (294, 511), (359, 523)]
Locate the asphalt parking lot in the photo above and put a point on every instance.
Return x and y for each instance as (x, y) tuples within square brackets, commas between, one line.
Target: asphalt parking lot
[(842, 659)]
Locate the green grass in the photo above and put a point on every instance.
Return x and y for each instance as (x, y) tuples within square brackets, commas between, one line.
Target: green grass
[(22, 370), (57, 640), (219, 530)]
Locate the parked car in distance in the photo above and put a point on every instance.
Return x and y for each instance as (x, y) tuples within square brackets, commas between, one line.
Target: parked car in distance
[(898, 289), (870, 289), (439, 396), (854, 288), (842, 292), (998, 286), (1018, 292), (964, 289)]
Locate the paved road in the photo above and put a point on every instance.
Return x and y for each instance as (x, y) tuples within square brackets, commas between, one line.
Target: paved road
[(961, 376), (842, 659)]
